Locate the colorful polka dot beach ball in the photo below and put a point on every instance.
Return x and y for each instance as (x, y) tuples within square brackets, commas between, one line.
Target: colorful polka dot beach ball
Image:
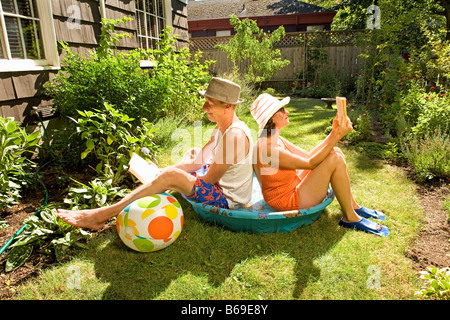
[(151, 223)]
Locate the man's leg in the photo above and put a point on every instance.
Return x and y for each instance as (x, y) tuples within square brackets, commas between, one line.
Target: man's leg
[(172, 178)]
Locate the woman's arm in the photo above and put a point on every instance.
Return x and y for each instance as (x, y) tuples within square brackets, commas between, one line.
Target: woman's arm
[(307, 154), (289, 160)]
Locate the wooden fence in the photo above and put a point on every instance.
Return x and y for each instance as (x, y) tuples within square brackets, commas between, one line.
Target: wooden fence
[(340, 50)]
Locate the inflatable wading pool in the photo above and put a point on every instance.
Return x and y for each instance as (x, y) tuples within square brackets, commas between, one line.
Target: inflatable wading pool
[(259, 217)]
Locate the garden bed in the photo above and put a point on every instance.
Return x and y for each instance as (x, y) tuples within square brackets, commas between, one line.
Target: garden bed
[(432, 247), (14, 216)]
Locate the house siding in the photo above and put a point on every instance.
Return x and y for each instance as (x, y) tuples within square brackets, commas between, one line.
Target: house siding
[(180, 23), (21, 91)]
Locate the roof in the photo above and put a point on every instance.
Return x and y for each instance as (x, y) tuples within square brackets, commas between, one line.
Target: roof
[(217, 9)]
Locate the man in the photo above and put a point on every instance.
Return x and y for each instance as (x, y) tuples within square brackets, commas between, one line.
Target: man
[(227, 157)]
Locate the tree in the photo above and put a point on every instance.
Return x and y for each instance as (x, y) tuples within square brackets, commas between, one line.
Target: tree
[(405, 32), (446, 5), (251, 50)]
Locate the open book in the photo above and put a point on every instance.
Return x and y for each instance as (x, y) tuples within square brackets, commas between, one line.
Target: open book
[(144, 171)]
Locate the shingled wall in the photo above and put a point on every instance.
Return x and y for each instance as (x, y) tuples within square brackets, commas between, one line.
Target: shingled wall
[(21, 91)]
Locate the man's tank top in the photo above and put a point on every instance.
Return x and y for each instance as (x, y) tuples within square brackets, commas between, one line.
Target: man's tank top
[(237, 181)]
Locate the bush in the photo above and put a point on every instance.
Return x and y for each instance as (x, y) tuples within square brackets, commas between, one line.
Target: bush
[(429, 156), (375, 150), (170, 87), (415, 109), (434, 115), (16, 168), (165, 127), (176, 79), (110, 139)]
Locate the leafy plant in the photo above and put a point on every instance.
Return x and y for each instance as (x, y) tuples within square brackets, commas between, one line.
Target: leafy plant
[(446, 206), (404, 33), (251, 50), (47, 233), (433, 116), (111, 138), (97, 193), (429, 156), (15, 165), (3, 224), (170, 87), (177, 77), (438, 281)]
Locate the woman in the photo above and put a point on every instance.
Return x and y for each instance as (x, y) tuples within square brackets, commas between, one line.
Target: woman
[(292, 178)]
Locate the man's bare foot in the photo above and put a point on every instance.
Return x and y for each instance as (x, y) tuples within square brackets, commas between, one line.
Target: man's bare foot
[(82, 219)]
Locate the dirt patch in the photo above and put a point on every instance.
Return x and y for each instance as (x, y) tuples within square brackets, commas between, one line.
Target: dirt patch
[(31, 202), (14, 217), (432, 247)]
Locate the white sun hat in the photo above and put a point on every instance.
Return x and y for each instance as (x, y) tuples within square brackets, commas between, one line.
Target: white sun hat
[(264, 107)]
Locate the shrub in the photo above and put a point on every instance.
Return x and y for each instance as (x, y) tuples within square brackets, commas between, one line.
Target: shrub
[(415, 109), (361, 124), (429, 156), (434, 115), (15, 165), (110, 138), (176, 79), (170, 87), (165, 127), (375, 150)]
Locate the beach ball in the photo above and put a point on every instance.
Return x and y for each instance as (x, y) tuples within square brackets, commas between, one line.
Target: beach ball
[(151, 223)]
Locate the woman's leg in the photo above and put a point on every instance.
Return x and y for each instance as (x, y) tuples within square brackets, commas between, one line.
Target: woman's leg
[(339, 151), (314, 186)]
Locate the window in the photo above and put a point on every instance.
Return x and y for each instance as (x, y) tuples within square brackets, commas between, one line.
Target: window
[(151, 20), (315, 28), (26, 35)]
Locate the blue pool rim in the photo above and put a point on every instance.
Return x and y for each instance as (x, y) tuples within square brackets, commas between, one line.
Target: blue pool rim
[(260, 218)]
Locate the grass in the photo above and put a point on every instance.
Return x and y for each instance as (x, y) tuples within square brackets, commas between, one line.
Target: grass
[(320, 261)]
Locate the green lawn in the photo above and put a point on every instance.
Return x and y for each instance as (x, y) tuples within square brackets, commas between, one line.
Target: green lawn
[(320, 261)]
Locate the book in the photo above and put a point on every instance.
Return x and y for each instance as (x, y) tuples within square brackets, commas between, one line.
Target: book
[(144, 171), (341, 103)]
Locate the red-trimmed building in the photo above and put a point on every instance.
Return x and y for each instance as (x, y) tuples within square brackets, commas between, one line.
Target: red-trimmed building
[(211, 18)]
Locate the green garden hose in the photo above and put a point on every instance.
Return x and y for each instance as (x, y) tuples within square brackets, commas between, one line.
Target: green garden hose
[(8, 243)]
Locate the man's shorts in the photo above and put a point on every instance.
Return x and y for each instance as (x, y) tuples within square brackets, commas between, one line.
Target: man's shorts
[(208, 193)]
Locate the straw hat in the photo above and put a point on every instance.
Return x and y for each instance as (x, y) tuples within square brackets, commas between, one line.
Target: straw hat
[(223, 90), (264, 107)]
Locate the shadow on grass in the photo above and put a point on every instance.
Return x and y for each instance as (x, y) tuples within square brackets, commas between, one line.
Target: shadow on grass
[(208, 250), (309, 116)]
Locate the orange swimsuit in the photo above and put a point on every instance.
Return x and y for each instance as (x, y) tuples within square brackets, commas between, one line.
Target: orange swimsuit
[(279, 188)]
